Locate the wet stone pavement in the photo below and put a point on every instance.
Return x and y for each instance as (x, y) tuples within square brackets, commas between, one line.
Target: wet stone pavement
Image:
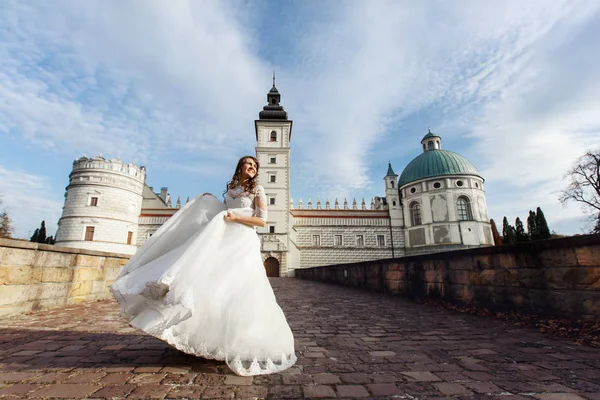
[(350, 344)]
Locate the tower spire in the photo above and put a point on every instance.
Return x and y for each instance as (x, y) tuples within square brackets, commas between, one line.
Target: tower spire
[(273, 110)]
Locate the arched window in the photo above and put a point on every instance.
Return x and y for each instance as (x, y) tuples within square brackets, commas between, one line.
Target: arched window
[(464, 209), (430, 145), (273, 137), (392, 183), (415, 214)]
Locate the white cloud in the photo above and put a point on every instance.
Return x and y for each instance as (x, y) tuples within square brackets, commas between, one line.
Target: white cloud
[(382, 62), (28, 200), (135, 80)]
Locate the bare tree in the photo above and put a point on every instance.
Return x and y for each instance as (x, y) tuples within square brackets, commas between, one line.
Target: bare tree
[(5, 224), (584, 184)]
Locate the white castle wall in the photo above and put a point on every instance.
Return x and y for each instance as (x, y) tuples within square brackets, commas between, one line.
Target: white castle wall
[(150, 221), (118, 187), (347, 223)]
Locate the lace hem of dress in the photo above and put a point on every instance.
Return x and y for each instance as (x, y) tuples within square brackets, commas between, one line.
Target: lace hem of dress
[(163, 331), (236, 364)]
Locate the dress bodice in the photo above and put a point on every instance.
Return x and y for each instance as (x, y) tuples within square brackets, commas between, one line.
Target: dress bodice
[(257, 200)]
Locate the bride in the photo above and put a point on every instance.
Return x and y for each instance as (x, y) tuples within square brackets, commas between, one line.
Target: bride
[(199, 282)]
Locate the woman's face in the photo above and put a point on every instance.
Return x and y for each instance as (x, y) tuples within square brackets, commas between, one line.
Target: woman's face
[(248, 169)]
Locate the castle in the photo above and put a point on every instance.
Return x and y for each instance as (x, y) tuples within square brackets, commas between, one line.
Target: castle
[(436, 204)]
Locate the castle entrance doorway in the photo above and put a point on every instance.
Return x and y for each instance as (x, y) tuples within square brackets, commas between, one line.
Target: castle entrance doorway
[(272, 267)]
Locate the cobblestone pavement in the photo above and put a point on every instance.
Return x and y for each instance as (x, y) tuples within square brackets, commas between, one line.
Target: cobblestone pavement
[(350, 344)]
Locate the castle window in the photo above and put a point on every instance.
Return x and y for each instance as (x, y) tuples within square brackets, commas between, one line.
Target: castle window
[(392, 184), (316, 240), (394, 203), (273, 137), (337, 240), (129, 237), (94, 201), (415, 214), (381, 240), (272, 200), (459, 183), (464, 209), (271, 228), (413, 190), (437, 185), (430, 145), (89, 233), (272, 178), (272, 159), (360, 240)]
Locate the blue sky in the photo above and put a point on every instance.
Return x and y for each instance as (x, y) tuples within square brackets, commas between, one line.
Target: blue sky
[(176, 86)]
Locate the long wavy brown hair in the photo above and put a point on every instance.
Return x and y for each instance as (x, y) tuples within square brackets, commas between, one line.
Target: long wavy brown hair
[(250, 184)]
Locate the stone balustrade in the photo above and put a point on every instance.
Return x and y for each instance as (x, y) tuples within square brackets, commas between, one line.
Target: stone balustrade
[(557, 277), (38, 276)]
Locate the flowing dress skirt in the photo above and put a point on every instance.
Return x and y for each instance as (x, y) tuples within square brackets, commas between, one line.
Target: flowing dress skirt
[(200, 285)]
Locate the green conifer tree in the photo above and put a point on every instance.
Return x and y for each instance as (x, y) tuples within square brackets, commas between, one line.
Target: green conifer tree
[(521, 235), (34, 237), (508, 232), (532, 226), (42, 233), (540, 219)]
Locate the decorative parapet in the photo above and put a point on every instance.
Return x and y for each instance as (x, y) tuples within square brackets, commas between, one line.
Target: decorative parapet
[(114, 165), (375, 204)]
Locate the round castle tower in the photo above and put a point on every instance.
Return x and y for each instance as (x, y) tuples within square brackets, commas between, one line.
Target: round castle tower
[(102, 205)]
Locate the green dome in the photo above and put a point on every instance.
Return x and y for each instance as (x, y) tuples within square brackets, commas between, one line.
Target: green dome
[(436, 163)]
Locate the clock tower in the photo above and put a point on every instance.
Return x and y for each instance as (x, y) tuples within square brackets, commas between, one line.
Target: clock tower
[(273, 134)]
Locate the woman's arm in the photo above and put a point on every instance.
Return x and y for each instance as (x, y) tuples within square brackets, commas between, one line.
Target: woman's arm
[(250, 221)]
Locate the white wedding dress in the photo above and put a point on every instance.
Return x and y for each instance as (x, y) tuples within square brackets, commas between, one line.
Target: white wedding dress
[(200, 285)]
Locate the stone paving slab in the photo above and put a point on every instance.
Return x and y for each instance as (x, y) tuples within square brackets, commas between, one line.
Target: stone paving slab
[(351, 345)]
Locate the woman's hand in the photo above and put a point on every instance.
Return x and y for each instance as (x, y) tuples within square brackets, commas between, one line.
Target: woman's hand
[(230, 217)]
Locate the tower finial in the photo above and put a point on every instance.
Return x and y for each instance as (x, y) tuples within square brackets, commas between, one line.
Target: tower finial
[(273, 78)]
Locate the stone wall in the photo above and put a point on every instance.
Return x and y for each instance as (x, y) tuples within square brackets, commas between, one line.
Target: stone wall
[(558, 277), (37, 276)]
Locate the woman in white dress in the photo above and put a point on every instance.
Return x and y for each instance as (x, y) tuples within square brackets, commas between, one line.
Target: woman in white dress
[(200, 285)]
